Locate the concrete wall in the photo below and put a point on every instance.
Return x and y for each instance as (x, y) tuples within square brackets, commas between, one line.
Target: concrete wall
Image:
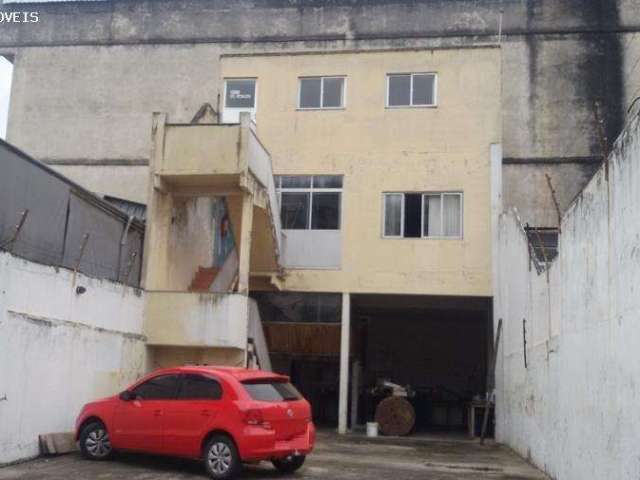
[(60, 349), (190, 319), (379, 149), (88, 75), (573, 410)]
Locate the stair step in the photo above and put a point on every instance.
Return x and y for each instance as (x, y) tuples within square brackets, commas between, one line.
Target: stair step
[(203, 279)]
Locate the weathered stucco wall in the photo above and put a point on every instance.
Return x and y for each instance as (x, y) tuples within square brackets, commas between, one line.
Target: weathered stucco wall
[(573, 410), (89, 74), (60, 349)]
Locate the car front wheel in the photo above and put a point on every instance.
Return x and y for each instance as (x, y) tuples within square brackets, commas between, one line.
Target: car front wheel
[(221, 458), (288, 464), (94, 442)]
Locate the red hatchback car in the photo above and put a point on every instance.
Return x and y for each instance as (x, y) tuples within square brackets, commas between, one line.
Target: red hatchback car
[(222, 415)]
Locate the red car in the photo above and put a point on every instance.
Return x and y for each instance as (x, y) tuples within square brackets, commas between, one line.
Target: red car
[(222, 415)]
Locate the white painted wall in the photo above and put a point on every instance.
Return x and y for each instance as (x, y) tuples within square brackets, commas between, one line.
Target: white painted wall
[(574, 410), (59, 350), (312, 249)]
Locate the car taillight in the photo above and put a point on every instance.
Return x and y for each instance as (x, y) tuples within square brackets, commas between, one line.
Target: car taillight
[(254, 417)]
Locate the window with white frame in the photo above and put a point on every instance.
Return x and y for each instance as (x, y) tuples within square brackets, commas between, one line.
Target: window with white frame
[(321, 93), (239, 97), (310, 202), (411, 90), (422, 215)]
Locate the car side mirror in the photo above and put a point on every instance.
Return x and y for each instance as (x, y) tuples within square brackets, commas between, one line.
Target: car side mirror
[(127, 396)]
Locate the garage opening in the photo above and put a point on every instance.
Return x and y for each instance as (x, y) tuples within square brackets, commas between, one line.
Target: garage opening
[(434, 351), (302, 331)]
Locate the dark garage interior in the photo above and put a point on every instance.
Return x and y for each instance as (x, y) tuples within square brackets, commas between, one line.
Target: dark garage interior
[(436, 348)]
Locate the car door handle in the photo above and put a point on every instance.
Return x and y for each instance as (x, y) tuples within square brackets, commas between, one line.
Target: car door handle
[(157, 413), (205, 413)]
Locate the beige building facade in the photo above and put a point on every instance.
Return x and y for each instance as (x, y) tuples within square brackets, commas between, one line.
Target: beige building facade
[(358, 191), (376, 149)]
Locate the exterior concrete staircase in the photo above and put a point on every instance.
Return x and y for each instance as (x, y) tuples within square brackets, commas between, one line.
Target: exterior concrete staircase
[(203, 279)]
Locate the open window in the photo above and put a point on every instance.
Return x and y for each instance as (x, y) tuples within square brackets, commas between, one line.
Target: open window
[(422, 215)]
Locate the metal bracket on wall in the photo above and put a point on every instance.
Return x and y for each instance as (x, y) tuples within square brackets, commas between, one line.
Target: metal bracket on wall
[(76, 266), (14, 236)]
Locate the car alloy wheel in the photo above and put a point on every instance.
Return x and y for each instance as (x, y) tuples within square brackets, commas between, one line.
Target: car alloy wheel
[(95, 443), (98, 443), (219, 458)]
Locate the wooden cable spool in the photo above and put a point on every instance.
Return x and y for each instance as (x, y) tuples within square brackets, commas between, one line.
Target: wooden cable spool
[(395, 416)]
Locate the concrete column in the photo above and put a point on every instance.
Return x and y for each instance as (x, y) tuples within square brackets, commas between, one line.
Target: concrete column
[(345, 330), (244, 261)]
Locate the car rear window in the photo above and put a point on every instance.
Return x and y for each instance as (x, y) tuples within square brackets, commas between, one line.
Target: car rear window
[(271, 390)]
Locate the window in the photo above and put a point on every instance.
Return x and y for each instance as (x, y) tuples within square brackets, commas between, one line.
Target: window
[(162, 387), (239, 97), (310, 202), (199, 387), (271, 390), (240, 93), (416, 215), (411, 90), (321, 92)]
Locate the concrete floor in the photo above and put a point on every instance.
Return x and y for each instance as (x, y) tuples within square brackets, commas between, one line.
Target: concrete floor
[(335, 457)]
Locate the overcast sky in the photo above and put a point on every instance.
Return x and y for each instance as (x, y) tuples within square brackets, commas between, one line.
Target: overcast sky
[(5, 91)]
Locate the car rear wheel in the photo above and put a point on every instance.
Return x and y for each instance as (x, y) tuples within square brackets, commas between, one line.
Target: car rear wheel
[(95, 443), (221, 458), (288, 464)]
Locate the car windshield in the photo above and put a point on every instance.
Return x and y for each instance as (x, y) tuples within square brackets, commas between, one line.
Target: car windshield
[(271, 390)]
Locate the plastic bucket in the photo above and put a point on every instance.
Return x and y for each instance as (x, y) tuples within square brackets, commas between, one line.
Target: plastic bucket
[(372, 429)]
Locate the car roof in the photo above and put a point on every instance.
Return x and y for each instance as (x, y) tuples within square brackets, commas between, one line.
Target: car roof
[(240, 374)]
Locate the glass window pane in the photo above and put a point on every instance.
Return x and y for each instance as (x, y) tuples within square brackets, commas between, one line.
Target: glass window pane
[(399, 90), (423, 89), (271, 390), (158, 388), (332, 92), (199, 387), (327, 181), (241, 93), (325, 214), (295, 211), (393, 214), (452, 213), (299, 307), (432, 216), (295, 181), (310, 92)]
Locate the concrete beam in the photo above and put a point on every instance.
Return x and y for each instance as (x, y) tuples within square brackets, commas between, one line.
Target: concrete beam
[(245, 244)]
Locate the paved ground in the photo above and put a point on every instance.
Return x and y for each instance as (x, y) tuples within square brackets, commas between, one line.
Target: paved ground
[(352, 458)]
